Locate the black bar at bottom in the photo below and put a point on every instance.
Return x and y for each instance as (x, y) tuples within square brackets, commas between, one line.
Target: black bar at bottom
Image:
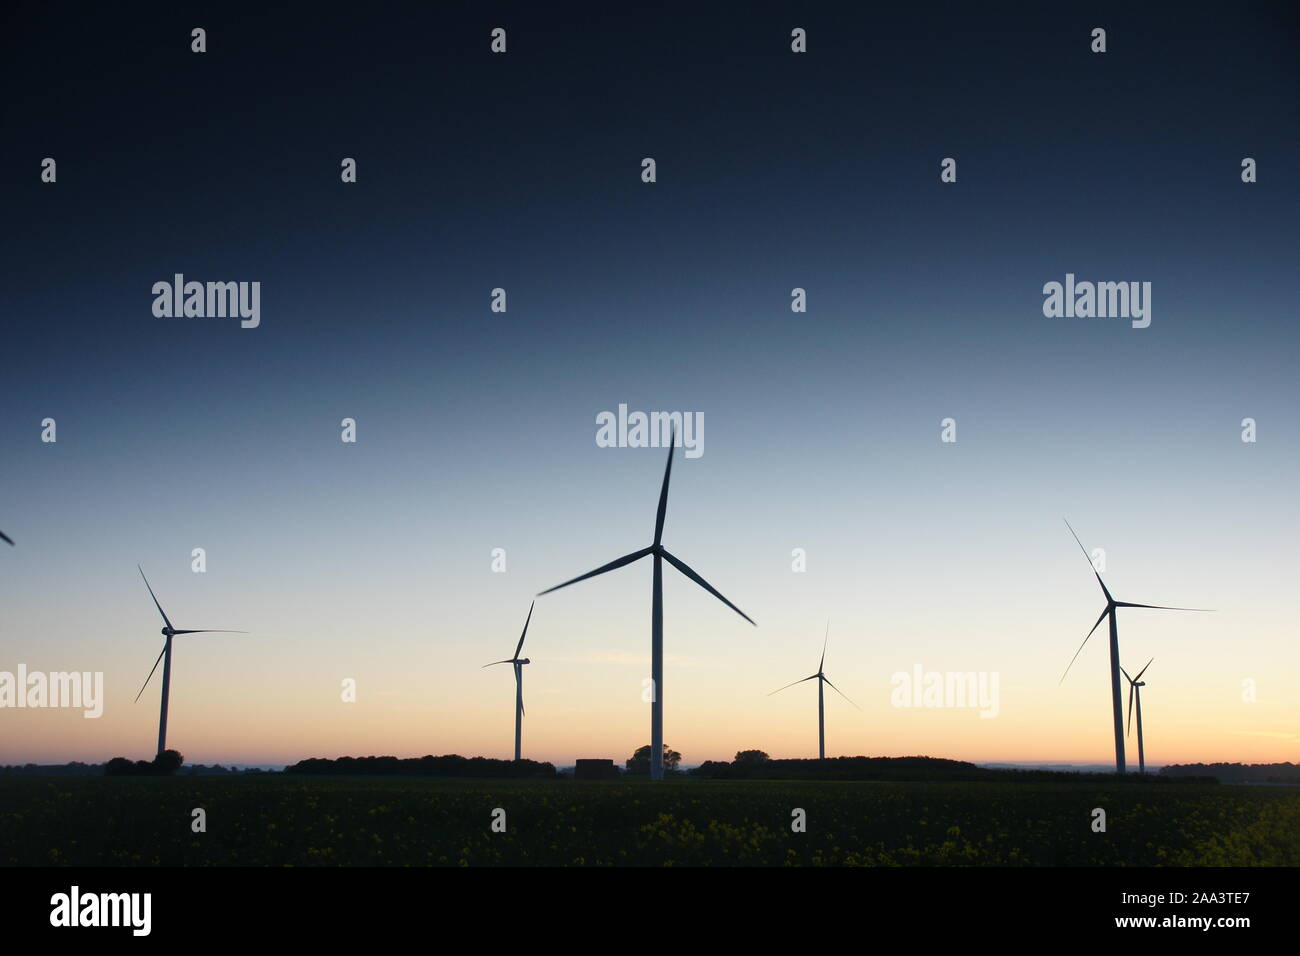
[(570, 905)]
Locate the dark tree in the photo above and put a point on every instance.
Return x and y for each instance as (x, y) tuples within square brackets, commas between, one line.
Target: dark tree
[(639, 762), (168, 762), (749, 757)]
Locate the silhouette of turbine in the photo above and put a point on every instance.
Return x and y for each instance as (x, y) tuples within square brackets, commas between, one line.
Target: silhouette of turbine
[(1111, 606), (1135, 685), (821, 679), (166, 657), (519, 680), (660, 554)]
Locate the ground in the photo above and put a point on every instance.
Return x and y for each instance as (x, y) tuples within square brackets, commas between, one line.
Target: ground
[(307, 821)]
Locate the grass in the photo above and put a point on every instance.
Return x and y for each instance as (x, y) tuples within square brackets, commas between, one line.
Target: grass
[(276, 820)]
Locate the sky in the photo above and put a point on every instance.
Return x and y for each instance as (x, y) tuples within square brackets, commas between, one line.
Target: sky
[(372, 561)]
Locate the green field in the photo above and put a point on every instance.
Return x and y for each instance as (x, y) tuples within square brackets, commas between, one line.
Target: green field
[(278, 820)]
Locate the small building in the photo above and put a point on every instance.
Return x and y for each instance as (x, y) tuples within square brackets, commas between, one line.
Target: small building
[(595, 770)]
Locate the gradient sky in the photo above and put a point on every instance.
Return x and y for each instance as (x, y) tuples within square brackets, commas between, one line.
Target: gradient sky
[(477, 430)]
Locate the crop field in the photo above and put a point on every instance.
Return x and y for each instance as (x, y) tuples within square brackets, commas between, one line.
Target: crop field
[(276, 820)]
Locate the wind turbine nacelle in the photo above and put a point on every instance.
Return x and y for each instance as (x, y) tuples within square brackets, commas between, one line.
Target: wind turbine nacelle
[(166, 632), (525, 661)]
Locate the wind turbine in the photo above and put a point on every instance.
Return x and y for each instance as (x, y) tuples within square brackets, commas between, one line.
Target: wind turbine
[(519, 680), (821, 679), (168, 632), (1111, 606), (1135, 685), (660, 554)]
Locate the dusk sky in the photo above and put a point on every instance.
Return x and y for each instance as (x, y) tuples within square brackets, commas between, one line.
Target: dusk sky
[(476, 430)]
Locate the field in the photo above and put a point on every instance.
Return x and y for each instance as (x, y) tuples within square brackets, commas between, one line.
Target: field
[(276, 820)]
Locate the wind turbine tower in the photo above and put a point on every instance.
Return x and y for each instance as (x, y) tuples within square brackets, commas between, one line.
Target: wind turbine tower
[(1117, 709), (660, 555), (518, 663), (165, 656), (821, 679), (1135, 685)]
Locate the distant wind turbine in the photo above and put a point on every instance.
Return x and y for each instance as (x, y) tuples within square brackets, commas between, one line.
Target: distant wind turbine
[(660, 554), (1135, 685), (166, 656), (519, 663), (1111, 606), (7, 538), (821, 679)]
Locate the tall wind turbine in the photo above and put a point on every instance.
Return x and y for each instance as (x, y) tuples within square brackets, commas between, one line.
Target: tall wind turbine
[(1111, 606), (519, 663), (1135, 685), (660, 554), (821, 679), (166, 657)]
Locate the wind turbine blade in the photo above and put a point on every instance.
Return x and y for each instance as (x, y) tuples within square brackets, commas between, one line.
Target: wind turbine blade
[(613, 565), (6, 537), (1131, 689), (822, 665), (154, 596), (1161, 607), (838, 691), (150, 677), (792, 683), (681, 566), (1125, 673), (1085, 641), (519, 677), (520, 646), (495, 663), (663, 492), (1090, 564), (1143, 670), (209, 630)]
